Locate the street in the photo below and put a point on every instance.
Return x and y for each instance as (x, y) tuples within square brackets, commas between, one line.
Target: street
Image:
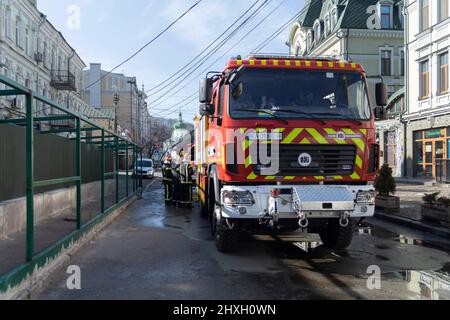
[(154, 252)]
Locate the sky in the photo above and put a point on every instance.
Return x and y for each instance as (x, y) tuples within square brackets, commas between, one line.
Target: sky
[(109, 31)]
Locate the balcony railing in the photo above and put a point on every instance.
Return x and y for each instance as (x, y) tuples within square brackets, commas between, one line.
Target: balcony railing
[(443, 170), (63, 80)]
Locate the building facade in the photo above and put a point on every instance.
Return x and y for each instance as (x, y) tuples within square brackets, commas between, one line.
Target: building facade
[(428, 119), (370, 32), (104, 90), (36, 55)]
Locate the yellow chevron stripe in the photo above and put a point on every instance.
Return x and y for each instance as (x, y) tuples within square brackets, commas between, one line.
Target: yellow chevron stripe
[(338, 178), (359, 142), (342, 64), (359, 162), (316, 135), (271, 178), (289, 178), (319, 178), (275, 62), (239, 62), (319, 64), (305, 141), (264, 62), (298, 63), (355, 176), (252, 62), (291, 137), (364, 132), (354, 65), (308, 63), (331, 64), (252, 176), (288, 63)]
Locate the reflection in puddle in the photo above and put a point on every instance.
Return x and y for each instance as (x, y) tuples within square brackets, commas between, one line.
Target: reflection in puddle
[(429, 285)]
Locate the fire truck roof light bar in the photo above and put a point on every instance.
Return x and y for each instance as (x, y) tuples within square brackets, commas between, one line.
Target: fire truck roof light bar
[(260, 56)]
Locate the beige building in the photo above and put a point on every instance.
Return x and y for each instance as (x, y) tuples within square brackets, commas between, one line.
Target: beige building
[(36, 55), (133, 118), (370, 32)]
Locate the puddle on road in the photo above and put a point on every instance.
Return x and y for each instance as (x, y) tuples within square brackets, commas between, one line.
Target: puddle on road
[(384, 234)]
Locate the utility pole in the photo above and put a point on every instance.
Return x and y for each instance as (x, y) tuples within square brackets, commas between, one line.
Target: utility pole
[(132, 125), (116, 100)]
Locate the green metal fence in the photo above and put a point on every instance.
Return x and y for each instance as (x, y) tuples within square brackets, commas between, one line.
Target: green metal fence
[(106, 140)]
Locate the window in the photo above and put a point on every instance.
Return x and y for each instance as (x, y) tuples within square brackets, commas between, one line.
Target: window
[(424, 79), (327, 25), (27, 42), (402, 62), (317, 32), (443, 73), (18, 42), (425, 13), (334, 17), (386, 16), (386, 61), (442, 10), (7, 23)]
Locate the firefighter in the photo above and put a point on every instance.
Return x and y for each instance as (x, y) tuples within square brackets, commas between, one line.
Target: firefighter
[(186, 172), (176, 184), (167, 180)]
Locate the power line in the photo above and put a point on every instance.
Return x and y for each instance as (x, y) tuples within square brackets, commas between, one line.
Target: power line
[(238, 42), (146, 45), (201, 53), (213, 51)]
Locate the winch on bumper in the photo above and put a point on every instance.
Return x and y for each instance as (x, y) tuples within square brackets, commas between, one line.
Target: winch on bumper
[(271, 203)]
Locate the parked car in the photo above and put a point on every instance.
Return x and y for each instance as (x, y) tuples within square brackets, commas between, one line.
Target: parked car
[(146, 169)]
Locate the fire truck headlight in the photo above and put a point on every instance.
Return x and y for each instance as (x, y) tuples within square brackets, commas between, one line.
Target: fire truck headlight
[(366, 197), (237, 198)]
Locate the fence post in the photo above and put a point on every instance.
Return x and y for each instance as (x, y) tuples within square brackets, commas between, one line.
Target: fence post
[(102, 173), (127, 168), (117, 168), (29, 164), (78, 170)]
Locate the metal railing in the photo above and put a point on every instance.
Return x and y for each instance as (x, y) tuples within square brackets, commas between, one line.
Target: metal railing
[(443, 170), (103, 139), (63, 80)]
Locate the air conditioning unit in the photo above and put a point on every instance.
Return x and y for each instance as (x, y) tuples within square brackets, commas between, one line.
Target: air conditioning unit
[(39, 57)]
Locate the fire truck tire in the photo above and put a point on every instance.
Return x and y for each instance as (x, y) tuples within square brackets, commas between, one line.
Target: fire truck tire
[(336, 237), (225, 238)]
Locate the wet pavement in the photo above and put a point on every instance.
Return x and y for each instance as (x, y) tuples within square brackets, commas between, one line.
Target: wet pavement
[(154, 252)]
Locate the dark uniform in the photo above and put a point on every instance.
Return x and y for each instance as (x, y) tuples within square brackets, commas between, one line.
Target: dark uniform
[(168, 182), (176, 186), (186, 172)]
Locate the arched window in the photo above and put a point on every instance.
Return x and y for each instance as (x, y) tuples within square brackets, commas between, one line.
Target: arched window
[(309, 41), (317, 31), (327, 25), (334, 16)]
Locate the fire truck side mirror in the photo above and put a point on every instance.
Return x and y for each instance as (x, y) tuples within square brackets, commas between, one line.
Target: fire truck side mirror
[(379, 113), (205, 90), (207, 110), (381, 94)]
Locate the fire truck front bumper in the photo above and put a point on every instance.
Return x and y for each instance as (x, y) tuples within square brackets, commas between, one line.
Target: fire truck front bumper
[(298, 202)]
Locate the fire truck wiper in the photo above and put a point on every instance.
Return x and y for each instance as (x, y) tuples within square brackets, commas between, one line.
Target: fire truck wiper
[(268, 113), (309, 115), (338, 116)]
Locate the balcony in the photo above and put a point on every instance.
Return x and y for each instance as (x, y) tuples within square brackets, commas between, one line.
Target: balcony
[(63, 80)]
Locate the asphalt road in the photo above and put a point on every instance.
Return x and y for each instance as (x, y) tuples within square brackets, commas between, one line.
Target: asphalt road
[(151, 252)]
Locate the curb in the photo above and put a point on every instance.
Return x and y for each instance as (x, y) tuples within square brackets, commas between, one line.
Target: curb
[(440, 231)]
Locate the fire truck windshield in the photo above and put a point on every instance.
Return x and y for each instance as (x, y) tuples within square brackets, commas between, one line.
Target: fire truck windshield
[(299, 94)]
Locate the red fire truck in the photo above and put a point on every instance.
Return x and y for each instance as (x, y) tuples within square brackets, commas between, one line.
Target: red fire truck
[(287, 142)]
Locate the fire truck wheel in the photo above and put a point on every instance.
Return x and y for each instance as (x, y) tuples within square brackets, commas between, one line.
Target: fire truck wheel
[(336, 237), (225, 237)]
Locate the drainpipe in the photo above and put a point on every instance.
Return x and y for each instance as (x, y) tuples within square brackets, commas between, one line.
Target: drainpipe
[(41, 23), (68, 73), (406, 84)]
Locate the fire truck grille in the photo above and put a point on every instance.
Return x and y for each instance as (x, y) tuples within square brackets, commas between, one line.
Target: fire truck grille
[(313, 160)]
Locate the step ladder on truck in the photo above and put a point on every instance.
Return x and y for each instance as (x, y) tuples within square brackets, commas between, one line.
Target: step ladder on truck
[(287, 143)]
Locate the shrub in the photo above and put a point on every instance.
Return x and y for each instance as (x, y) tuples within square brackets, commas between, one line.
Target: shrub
[(430, 198), (385, 182), (444, 202)]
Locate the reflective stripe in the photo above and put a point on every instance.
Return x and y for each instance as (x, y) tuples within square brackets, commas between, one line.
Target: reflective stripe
[(305, 141), (316, 135), (252, 176), (292, 136), (359, 162)]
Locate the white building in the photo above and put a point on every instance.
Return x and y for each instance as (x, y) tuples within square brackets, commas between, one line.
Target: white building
[(427, 87), (35, 54)]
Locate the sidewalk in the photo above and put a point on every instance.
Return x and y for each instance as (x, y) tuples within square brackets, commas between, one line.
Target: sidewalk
[(410, 208)]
